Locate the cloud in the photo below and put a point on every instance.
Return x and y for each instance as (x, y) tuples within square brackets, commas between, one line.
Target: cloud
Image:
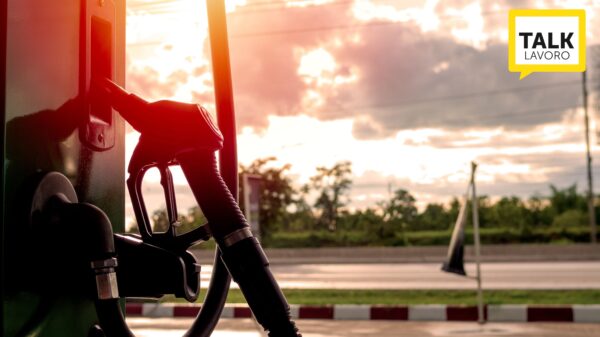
[(399, 82), (264, 67), (147, 82), (399, 88), (561, 169), (388, 76)]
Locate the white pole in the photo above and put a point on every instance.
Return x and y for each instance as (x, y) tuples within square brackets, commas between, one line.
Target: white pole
[(475, 206), (588, 157)]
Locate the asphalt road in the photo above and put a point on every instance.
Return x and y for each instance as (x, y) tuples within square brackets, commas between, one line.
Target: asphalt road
[(513, 275), (175, 327)]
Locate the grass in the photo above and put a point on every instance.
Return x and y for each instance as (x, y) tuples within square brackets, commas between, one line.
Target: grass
[(358, 238), (411, 297)]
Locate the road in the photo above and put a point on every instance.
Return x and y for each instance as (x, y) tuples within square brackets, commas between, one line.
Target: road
[(175, 327), (513, 275)]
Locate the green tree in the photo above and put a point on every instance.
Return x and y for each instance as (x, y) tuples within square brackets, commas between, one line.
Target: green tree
[(194, 219), (160, 221), (433, 217), (570, 218), (300, 215), (511, 212), (454, 209), (565, 199), (332, 184), (276, 193), (540, 210), (400, 210), (377, 229)]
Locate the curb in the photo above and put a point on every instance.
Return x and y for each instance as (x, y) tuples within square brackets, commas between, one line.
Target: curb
[(431, 312)]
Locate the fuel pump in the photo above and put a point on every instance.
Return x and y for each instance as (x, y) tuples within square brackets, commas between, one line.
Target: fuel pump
[(65, 268)]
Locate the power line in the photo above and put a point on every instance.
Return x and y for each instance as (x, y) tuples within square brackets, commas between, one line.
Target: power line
[(343, 26), (486, 117), (243, 11), (476, 94), (314, 29), (297, 2), (324, 28)]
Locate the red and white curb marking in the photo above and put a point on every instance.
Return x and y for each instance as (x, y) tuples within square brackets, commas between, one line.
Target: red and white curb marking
[(493, 313)]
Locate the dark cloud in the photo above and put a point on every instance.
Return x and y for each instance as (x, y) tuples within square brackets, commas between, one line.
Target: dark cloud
[(397, 87), (265, 66), (400, 90)]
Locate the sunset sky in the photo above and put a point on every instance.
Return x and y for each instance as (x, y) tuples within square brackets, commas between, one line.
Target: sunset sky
[(409, 91)]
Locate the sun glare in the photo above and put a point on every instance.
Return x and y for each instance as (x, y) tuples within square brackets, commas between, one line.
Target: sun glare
[(166, 55), (168, 38)]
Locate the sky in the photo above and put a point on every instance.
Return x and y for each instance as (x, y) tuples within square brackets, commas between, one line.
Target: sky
[(409, 91)]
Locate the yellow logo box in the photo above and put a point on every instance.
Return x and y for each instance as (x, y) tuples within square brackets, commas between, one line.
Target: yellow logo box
[(546, 40)]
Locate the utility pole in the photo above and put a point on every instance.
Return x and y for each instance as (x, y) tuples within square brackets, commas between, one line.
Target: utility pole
[(590, 191), (475, 208)]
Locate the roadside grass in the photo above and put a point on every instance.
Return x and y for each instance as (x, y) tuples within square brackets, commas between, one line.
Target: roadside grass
[(357, 238), (412, 297)]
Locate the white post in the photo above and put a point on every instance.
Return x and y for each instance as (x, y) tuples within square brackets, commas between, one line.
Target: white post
[(475, 206)]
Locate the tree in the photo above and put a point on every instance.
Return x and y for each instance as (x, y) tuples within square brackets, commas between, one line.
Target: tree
[(160, 221), (540, 210), (332, 184), (400, 210), (434, 217), (570, 218), (301, 218), (377, 229), (276, 193), (194, 219), (511, 212), (566, 199)]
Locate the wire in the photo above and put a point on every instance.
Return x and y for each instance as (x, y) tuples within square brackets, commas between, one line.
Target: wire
[(486, 117), (344, 26), (477, 94), (320, 28), (244, 11), (323, 28)]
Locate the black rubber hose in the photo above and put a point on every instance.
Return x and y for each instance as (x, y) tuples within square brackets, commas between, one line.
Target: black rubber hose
[(218, 205), (111, 318), (97, 238), (249, 267), (97, 243), (244, 259), (213, 301)]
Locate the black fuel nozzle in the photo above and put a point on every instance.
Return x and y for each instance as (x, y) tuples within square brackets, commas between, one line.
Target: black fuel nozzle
[(173, 132)]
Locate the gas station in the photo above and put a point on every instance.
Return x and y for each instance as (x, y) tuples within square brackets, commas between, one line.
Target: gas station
[(68, 267)]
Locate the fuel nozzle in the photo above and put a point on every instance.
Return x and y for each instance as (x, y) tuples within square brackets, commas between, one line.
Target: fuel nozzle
[(180, 126), (173, 132)]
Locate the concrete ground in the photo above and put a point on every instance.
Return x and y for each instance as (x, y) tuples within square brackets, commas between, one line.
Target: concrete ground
[(171, 327), (496, 275), (420, 254)]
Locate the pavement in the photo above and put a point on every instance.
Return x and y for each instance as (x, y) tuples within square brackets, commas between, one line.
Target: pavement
[(495, 275), (171, 327), (431, 254)]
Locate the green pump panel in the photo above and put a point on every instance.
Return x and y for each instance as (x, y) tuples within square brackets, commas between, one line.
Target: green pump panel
[(50, 52)]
